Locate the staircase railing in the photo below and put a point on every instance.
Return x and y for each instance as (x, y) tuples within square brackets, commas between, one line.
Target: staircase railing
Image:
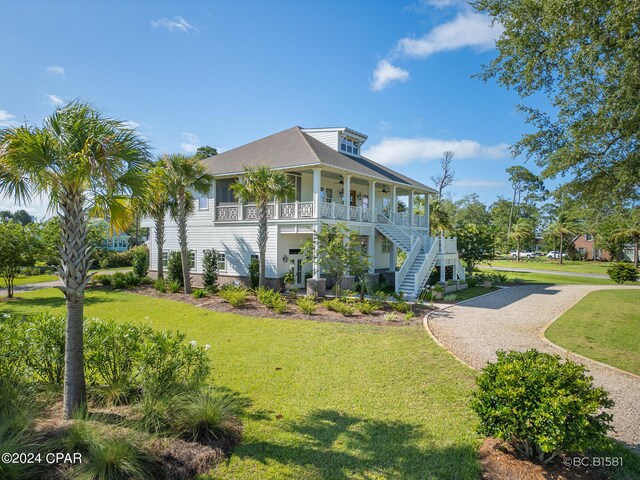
[(401, 223), (425, 269), (406, 265)]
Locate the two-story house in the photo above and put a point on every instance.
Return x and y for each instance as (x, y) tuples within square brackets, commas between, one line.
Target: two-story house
[(333, 183)]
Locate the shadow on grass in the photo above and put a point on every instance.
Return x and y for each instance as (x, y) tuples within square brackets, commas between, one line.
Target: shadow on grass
[(43, 303), (338, 446)]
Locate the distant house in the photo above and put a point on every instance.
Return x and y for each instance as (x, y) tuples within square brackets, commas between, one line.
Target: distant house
[(117, 242), (586, 246), (333, 182)]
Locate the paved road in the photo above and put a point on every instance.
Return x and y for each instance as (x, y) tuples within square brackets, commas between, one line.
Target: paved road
[(515, 319), (550, 272)]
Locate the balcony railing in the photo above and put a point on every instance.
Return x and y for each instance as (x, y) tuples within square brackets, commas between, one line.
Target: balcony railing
[(305, 210)]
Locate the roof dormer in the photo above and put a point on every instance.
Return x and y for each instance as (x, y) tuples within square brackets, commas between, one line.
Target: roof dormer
[(341, 139)]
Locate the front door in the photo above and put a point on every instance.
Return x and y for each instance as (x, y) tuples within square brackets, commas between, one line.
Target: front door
[(296, 265), (352, 198)]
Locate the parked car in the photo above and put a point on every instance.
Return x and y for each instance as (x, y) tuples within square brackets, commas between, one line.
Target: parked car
[(556, 254), (525, 254)]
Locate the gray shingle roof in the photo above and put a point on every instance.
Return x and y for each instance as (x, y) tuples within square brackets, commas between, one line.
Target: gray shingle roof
[(293, 148)]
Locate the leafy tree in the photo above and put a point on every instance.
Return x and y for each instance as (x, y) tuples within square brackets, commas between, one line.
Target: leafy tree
[(20, 216), (261, 185), (338, 252), (471, 210), (83, 163), (524, 182), (445, 178), (254, 273), (562, 228), (630, 232), (156, 203), (205, 152), (523, 231), (583, 56), (475, 244), (174, 268), (18, 247), (140, 261), (185, 175)]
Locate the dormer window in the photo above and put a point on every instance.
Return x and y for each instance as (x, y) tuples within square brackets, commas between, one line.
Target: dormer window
[(349, 146)]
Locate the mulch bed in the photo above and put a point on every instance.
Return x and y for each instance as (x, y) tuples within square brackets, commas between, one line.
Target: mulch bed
[(254, 308), (501, 461), (177, 459)]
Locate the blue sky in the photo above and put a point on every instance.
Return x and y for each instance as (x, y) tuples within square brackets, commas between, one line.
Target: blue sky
[(225, 73)]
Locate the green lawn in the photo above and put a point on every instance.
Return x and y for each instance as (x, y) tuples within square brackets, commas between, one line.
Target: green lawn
[(22, 280), (549, 278), (329, 400), (548, 264), (603, 326), (472, 292)]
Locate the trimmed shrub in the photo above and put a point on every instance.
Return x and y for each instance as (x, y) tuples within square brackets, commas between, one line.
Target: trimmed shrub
[(140, 261), (174, 268), (43, 347), (104, 280), (160, 285), (336, 305), (307, 305), (622, 272), (541, 405), (174, 287), (272, 299), (254, 273), (236, 296), (210, 270), (199, 293)]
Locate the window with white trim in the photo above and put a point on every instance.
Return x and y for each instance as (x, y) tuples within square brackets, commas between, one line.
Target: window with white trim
[(203, 203), (295, 179), (192, 259), (386, 245), (349, 146), (222, 262), (165, 257)]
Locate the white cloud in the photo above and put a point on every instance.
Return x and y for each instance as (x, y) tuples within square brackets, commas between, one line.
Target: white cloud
[(403, 151), (55, 100), (478, 183), (467, 29), (6, 119), (443, 3), (385, 126), (387, 73), (55, 70), (178, 24), (190, 142)]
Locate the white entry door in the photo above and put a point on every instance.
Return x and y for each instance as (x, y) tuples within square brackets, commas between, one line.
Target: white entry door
[(297, 266)]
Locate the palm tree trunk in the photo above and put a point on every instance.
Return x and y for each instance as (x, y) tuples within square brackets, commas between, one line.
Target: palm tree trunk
[(74, 265), (561, 245), (263, 236), (513, 203), (184, 249), (635, 251), (160, 244), (518, 248)]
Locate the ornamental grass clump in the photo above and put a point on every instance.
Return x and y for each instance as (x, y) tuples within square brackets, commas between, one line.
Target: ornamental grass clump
[(237, 296), (307, 305), (541, 405)]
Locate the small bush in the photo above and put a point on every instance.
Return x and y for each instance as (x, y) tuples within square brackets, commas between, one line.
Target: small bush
[(540, 404), (104, 280), (199, 293), (43, 349), (450, 297), (272, 299), (280, 305), (174, 287), (119, 280), (472, 281), (378, 299), (206, 417), (174, 268), (336, 305), (400, 306), (366, 307), (104, 263), (160, 286), (622, 272), (254, 273), (155, 414), (140, 261), (390, 317), (307, 305), (116, 458), (236, 296), (409, 316), (210, 270)]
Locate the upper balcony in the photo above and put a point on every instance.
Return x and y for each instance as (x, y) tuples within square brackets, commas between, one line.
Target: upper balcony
[(323, 194)]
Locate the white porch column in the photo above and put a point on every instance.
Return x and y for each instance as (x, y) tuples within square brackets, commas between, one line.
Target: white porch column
[(372, 202), (347, 191), (442, 260), (394, 200), (426, 212), (393, 257), (317, 177), (410, 206), (314, 266), (371, 251)]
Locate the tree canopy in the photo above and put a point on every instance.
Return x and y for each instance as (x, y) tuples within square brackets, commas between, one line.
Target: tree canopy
[(584, 56)]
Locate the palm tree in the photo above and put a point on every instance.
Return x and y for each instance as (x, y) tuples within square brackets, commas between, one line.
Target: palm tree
[(522, 232), (439, 217), (261, 185), (156, 204), (629, 232), (561, 228), (85, 165), (185, 175)]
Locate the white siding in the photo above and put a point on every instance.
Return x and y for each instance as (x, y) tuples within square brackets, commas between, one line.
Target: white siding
[(329, 138)]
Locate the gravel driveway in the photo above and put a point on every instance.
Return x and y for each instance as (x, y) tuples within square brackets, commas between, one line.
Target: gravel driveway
[(515, 319)]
